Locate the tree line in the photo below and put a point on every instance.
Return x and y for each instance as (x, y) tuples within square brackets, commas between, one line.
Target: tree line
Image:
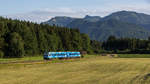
[(21, 38), (126, 45)]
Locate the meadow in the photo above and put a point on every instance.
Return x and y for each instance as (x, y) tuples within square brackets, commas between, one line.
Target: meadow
[(89, 70), (134, 55)]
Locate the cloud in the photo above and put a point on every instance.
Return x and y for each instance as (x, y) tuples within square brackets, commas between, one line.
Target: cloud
[(42, 15)]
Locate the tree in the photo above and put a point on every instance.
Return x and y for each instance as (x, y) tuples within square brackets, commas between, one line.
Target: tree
[(30, 40), (16, 46), (96, 46), (86, 43), (2, 44), (42, 42), (111, 38), (76, 40)]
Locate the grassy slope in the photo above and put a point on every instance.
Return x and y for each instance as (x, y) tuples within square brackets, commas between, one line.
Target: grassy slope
[(95, 70)]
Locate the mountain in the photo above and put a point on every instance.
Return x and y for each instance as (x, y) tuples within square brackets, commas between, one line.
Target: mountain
[(60, 21), (92, 18), (120, 24), (63, 21), (140, 19), (101, 30)]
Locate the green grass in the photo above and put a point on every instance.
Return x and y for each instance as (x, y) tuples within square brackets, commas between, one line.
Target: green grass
[(89, 70), (134, 55), (33, 58), (21, 59)]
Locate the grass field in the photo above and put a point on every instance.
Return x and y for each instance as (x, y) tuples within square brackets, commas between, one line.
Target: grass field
[(134, 55), (21, 59), (89, 70)]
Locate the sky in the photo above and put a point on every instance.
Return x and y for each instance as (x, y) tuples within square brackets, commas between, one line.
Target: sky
[(42, 10)]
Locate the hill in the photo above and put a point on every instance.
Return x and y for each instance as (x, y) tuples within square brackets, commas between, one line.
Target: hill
[(101, 30), (126, 24), (140, 19), (92, 18), (61, 21)]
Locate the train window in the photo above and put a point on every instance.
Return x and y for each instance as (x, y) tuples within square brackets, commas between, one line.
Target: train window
[(74, 54), (57, 54)]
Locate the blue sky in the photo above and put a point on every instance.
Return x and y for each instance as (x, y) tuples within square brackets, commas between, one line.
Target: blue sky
[(22, 6), (77, 8)]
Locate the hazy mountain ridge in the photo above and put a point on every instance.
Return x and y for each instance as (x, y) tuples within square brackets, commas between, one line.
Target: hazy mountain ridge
[(140, 19), (60, 21), (64, 20), (103, 29), (92, 18), (120, 24)]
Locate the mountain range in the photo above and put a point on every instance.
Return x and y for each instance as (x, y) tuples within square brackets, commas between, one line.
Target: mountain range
[(120, 24)]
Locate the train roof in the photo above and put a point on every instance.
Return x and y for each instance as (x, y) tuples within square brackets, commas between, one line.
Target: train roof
[(60, 52)]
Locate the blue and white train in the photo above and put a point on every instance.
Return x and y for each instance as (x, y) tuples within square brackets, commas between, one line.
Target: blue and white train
[(61, 55)]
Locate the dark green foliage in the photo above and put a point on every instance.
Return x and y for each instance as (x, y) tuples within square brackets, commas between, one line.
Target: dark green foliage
[(96, 46), (77, 42), (15, 47), (20, 38), (1, 54), (86, 43), (126, 45)]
